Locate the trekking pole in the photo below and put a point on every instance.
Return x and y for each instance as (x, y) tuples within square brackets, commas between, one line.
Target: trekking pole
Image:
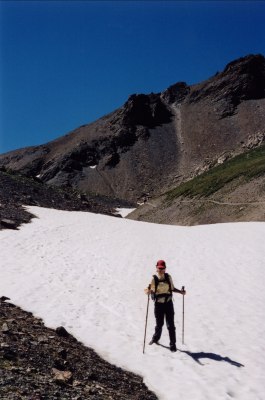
[(146, 317), (183, 288)]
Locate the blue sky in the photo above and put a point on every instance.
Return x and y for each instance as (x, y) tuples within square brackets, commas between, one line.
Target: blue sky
[(66, 63)]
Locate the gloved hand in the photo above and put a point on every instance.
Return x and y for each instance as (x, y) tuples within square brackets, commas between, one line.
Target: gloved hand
[(147, 290)]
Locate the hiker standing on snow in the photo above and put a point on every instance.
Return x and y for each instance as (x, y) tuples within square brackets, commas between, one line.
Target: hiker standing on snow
[(161, 289)]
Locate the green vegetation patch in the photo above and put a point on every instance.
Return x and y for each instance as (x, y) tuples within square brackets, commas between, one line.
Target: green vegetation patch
[(248, 165)]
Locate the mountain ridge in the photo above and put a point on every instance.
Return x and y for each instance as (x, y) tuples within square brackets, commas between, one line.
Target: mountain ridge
[(156, 141)]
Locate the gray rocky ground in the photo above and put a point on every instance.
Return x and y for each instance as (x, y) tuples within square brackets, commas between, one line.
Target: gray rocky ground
[(39, 363)]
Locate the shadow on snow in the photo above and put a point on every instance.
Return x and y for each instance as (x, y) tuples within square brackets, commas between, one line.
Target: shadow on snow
[(212, 356)]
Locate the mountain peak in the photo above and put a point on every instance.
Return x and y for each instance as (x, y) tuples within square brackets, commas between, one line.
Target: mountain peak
[(251, 63)]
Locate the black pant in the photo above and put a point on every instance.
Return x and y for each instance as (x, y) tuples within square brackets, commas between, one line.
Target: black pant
[(163, 310)]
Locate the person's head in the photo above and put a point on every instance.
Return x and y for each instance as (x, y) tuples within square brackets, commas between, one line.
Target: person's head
[(161, 266)]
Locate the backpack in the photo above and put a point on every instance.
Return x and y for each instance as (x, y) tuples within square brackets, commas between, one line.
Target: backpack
[(157, 281)]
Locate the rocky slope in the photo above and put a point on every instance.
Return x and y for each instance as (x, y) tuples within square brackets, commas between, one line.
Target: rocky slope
[(236, 202), (38, 363), (156, 141), (231, 192), (17, 191)]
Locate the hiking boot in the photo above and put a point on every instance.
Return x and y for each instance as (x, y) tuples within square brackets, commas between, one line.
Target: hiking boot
[(173, 348), (153, 342)]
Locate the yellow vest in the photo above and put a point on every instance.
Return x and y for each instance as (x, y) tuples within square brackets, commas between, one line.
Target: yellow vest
[(162, 288)]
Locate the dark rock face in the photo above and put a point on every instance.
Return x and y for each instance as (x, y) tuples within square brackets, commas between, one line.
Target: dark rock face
[(145, 110), (156, 141), (176, 93), (251, 69), (37, 363)]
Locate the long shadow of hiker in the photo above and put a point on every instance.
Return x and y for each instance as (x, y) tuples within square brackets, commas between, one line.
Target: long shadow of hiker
[(197, 356)]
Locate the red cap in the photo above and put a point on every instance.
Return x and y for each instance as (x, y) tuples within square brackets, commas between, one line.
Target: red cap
[(161, 264)]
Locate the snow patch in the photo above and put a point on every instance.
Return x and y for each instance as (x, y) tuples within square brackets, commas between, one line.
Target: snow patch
[(124, 211), (87, 272)]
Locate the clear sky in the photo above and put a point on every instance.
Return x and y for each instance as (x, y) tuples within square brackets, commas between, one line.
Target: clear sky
[(66, 63)]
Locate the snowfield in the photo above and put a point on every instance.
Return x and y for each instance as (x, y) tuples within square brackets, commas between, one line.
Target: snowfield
[(88, 272)]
